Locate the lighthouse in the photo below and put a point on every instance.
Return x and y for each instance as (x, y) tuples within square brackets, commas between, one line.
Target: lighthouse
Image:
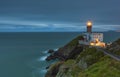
[(92, 38), (89, 26)]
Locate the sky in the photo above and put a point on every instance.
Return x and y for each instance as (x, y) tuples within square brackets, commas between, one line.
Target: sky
[(58, 15)]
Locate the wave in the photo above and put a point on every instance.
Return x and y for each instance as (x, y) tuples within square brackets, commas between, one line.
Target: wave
[(43, 58), (46, 52), (56, 49), (43, 71), (39, 72)]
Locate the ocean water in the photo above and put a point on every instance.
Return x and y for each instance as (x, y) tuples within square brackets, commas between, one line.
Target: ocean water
[(23, 54)]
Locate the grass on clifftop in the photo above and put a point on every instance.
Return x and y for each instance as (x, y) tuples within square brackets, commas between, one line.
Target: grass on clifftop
[(74, 42), (90, 56), (65, 50), (89, 63), (98, 65), (107, 67)]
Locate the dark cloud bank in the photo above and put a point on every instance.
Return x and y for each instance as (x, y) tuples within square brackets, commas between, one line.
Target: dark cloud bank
[(104, 13)]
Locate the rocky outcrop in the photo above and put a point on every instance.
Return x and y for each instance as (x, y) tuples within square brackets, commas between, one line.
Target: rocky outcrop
[(68, 51), (68, 48), (51, 51), (56, 55), (72, 67), (75, 52), (83, 61), (53, 70)]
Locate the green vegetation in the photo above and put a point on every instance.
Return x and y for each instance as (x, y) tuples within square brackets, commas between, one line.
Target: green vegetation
[(104, 68), (114, 47), (53, 70), (74, 42), (90, 56), (89, 63), (117, 52), (70, 46), (69, 69), (69, 62)]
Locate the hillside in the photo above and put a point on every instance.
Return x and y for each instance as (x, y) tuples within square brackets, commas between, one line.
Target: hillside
[(89, 62)]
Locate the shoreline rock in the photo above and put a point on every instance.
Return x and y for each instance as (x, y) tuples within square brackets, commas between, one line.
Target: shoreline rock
[(51, 51), (53, 70), (55, 55), (62, 57), (69, 51)]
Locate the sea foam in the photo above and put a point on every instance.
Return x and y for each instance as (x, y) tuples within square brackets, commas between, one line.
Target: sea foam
[(56, 49), (43, 58), (45, 52), (43, 71)]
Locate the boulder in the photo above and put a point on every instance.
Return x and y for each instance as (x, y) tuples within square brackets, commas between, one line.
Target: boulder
[(51, 57), (48, 67), (51, 51), (56, 55)]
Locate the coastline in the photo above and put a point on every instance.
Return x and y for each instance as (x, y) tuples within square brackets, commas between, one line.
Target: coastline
[(75, 57)]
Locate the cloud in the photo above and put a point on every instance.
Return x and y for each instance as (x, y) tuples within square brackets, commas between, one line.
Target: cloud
[(102, 11), (25, 25)]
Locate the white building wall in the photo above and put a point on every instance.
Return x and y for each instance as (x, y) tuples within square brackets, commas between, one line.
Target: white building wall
[(87, 36), (95, 36), (91, 37)]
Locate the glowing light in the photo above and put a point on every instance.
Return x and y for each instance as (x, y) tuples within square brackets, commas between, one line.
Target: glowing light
[(89, 23), (92, 44), (97, 43), (97, 40)]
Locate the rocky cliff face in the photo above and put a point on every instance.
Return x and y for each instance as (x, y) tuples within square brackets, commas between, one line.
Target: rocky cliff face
[(70, 50), (84, 61), (53, 70), (88, 57)]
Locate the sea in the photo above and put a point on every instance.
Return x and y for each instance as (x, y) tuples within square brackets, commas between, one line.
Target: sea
[(22, 54)]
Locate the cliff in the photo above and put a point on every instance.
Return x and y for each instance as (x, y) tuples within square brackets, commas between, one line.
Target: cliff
[(84, 61), (70, 50)]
